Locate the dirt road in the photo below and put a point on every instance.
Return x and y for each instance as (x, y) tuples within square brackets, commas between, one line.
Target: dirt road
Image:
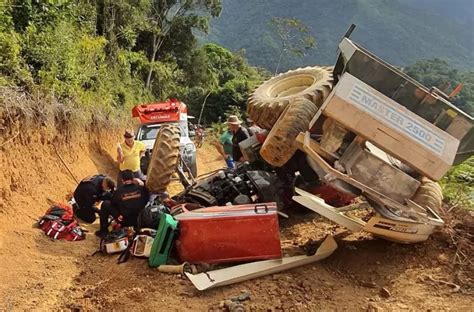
[(364, 274)]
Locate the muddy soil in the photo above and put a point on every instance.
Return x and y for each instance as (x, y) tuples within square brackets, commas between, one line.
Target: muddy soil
[(364, 273)]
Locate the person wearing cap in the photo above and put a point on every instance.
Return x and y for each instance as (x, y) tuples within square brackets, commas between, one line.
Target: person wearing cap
[(129, 154), (239, 134)]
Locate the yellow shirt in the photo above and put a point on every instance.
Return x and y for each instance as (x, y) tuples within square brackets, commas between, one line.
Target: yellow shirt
[(131, 156)]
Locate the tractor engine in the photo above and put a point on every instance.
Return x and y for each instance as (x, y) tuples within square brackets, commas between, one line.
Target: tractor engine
[(234, 187)]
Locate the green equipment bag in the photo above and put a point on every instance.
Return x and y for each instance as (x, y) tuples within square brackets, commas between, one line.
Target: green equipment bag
[(163, 241)]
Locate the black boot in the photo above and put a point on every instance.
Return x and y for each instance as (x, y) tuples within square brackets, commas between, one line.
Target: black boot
[(101, 233)]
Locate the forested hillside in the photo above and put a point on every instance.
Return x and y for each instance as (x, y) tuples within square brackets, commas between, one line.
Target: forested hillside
[(458, 10), (438, 73), (98, 58), (400, 31)]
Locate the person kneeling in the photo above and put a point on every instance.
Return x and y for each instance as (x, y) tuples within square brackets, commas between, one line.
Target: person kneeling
[(127, 202), (90, 191)]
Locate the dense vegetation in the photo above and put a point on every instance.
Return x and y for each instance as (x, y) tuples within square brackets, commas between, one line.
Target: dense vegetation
[(458, 10), (458, 185), (400, 31), (111, 54), (438, 73)]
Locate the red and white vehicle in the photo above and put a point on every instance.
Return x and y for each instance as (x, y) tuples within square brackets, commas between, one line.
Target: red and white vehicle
[(152, 116)]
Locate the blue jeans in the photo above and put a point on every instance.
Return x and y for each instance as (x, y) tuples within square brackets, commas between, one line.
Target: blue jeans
[(230, 163)]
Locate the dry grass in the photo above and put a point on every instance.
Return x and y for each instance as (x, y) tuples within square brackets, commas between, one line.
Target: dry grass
[(459, 227), (20, 112)]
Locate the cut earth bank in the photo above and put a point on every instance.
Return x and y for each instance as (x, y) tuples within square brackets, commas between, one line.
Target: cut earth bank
[(365, 273)]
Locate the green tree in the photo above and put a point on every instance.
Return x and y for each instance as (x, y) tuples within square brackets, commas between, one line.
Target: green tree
[(164, 14), (120, 22), (55, 45), (12, 66), (109, 55), (294, 38), (232, 80)]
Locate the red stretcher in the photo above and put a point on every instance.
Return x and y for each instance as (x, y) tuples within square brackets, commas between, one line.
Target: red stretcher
[(229, 234)]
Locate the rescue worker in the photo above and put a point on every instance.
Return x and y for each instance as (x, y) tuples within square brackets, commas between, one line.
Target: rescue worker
[(128, 200), (239, 134), (89, 191), (129, 154)]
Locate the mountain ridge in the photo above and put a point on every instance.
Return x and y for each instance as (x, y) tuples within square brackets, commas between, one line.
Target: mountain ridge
[(398, 31)]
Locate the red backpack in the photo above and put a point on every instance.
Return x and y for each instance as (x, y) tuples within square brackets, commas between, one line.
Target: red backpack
[(59, 223)]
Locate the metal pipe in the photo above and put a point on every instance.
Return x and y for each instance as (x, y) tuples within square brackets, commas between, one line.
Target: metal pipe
[(175, 269)]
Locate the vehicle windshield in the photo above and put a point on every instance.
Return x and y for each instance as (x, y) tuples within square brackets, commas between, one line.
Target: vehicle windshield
[(150, 132)]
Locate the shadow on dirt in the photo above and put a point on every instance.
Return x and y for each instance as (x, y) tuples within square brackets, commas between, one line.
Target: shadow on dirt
[(105, 164), (103, 161), (76, 249)]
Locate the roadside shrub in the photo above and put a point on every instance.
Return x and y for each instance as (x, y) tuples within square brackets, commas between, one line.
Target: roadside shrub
[(458, 185)]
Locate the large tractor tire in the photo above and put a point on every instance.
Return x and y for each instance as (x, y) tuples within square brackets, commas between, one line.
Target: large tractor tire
[(272, 97), (429, 194), (164, 159), (279, 145)]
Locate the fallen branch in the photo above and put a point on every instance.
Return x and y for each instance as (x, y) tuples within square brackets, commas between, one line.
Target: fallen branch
[(65, 165), (455, 287), (452, 207), (10, 139)]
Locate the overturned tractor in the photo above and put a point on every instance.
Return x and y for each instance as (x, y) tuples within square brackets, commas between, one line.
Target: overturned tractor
[(361, 131), (378, 135)]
